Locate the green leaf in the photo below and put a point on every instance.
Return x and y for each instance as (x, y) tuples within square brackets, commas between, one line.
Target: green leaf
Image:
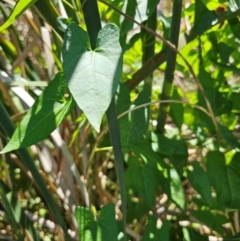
[(231, 140), (107, 223), (143, 148), (177, 193), (179, 162), (140, 10), (150, 229), (199, 180), (195, 236), (105, 228), (12, 208), (92, 75), (211, 219), (235, 99), (46, 114), (7, 127), (166, 146), (163, 232), (225, 178), (142, 178), (219, 103), (19, 8), (204, 19), (152, 233), (235, 237), (176, 110), (133, 125), (86, 223)]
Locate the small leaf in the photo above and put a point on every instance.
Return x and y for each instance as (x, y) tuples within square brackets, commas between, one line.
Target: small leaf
[(133, 125), (86, 223), (167, 146), (225, 178), (234, 97), (19, 8), (163, 232), (92, 75), (196, 236), (11, 206), (204, 19), (105, 228), (143, 179), (107, 223), (199, 180), (176, 110), (177, 194), (46, 114), (143, 148), (231, 140), (152, 233), (211, 219)]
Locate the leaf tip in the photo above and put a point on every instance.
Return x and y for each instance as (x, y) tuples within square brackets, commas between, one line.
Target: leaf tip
[(5, 150)]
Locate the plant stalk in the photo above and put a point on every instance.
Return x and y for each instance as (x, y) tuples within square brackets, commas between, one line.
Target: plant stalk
[(93, 24), (171, 62)]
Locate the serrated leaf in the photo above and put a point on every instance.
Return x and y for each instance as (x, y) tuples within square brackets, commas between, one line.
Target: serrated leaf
[(199, 180), (19, 8), (92, 75), (46, 114), (225, 178)]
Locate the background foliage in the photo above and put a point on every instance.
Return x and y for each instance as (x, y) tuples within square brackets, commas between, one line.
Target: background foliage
[(163, 163)]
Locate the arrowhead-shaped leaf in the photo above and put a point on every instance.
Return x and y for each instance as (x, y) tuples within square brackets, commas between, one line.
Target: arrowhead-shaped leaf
[(46, 114), (92, 75)]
